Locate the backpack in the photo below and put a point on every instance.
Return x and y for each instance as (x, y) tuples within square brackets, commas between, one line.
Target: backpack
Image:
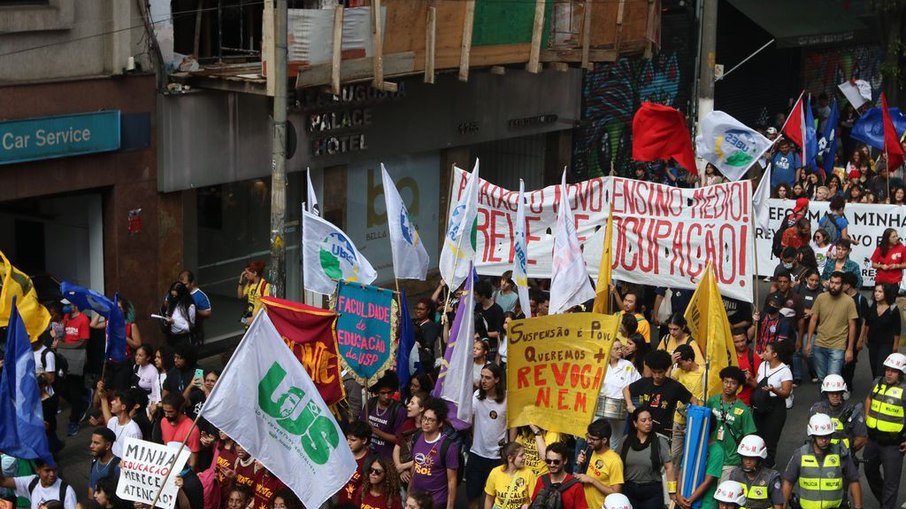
[(829, 224), (550, 496), (63, 486), (59, 361), (776, 245), (448, 439)]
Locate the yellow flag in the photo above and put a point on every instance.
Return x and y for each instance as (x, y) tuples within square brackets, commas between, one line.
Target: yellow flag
[(708, 323), (17, 284), (602, 290)]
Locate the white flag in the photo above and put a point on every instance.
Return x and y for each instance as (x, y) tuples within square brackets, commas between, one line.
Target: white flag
[(459, 243), (570, 285), (455, 376), (760, 200), (857, 92), (329, 255), (312, 204), (268, 404), (520, 255), (410, 260), (729, 145)]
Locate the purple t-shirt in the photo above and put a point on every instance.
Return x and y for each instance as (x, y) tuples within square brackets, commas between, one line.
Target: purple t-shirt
[(429, 473), (388, 421)]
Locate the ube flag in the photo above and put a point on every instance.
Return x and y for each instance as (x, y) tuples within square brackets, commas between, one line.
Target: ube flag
[(454, 381), (407, 341), (869, 128), (21, 414), (570, 285), (729, 145), (520, 254), (328, 255), (459, 240), (827, 145), (116, 333), (410, 260), (269, 405), (811, 138)]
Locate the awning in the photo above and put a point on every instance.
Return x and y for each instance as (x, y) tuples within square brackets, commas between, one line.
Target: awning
[(798, 23)]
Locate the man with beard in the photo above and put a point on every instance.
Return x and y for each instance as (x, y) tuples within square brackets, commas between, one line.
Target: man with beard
[(834, 318), (822, 470), (572, 496), (176, 425), (762, 484), (103, 462), (849, 422)]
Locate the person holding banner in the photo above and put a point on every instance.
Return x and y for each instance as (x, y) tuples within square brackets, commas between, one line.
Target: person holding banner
[(508, 485), (889, 259)]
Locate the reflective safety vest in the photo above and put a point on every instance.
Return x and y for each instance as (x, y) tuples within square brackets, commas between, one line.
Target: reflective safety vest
[(886, 413), (758, 490), (820, 484)]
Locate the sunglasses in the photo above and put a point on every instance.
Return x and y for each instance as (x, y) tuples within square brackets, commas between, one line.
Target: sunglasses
[(375, 471), (553, 462)]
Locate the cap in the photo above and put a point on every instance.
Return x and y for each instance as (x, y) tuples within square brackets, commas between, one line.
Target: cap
[(776, 299), (801, 203), (771, 130), (855, 174)]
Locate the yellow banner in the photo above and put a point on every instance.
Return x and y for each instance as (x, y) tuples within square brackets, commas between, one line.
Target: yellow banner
[(17, 284), (555, 367), (708, 323)]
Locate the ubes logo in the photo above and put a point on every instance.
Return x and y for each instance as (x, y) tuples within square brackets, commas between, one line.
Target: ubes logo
[(338, 257), (317, 432), (735, 147)]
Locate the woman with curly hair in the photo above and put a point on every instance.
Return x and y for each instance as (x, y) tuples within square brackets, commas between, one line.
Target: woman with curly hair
[(381, 489)]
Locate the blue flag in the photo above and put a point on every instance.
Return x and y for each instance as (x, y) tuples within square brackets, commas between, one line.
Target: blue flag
[(21, 415), (86, 298), (407, 341), (811, 137), (116, 333), (827, 145), (869, 128)]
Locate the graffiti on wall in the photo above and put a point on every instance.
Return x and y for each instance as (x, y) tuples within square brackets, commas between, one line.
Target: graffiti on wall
[(611, 94), (824, 69)]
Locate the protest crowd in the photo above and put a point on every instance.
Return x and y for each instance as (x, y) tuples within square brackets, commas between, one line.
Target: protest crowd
[(798, 345)]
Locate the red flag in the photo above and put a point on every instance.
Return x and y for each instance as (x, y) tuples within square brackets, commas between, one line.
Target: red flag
[(311, 333), (794, 127), (660, 132), (892, 147)]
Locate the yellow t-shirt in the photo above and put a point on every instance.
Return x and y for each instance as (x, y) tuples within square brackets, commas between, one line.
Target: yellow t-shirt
[(693, 382), (253, 294), (670, 345), (533, 459), (607, 468), (510, 492)]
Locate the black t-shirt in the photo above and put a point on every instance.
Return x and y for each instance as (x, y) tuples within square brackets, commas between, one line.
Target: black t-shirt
[(430, 332), (489, 320), (882, 329), (659, 400)]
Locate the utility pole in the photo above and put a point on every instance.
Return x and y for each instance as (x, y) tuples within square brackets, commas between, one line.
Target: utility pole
[(278, 161), (707, 57)]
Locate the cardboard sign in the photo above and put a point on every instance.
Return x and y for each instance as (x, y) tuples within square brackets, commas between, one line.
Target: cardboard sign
[(144, 466), (366, 329), (555, 368)]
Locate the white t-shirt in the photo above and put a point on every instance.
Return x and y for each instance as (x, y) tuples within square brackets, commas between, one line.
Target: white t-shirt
[(51, 366), (776, 376), (147, 381), (618, 377), (488, 425), (41, 494), (131, 429)]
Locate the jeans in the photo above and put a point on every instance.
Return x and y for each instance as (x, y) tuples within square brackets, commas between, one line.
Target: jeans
[(644, 495), (828, 361), (809, 361)]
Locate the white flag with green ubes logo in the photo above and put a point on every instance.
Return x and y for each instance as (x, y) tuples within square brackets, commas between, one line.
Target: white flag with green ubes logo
[(328, 255), (269, 405), (729, 145)]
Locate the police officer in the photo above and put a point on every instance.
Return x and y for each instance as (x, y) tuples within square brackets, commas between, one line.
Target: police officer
[(762, 485), (886, 442), (848, 419), (822, 470), (730, 495), (616, 501)]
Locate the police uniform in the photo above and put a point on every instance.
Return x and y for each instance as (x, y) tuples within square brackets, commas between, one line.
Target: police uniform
[(885, 420), (822, 479), (848, 419), (762, 492)]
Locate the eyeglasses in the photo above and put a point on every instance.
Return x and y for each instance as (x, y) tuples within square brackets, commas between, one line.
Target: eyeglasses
[(589, 438), (429, 419), (553, 462), (375, 471)]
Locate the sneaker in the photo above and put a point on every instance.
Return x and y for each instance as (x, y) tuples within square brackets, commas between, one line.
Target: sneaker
[(797, 383), (789, 401), (73, 429), (814, 379)]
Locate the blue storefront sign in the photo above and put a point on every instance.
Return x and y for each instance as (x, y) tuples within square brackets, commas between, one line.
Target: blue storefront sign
[(33, 139)]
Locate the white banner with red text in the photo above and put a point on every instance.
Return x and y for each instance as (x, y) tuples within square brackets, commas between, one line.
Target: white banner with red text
[(663, 235)]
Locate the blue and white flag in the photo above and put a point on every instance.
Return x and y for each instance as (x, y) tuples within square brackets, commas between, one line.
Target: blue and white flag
[(410, 260), (329, 255), (459, 241), (21, 414), (869, 128), (811, 136), (827, 144), (520, 254), (729, 145)]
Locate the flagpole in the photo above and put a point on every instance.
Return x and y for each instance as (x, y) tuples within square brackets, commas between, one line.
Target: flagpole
[(788, 115), (757, 274)]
